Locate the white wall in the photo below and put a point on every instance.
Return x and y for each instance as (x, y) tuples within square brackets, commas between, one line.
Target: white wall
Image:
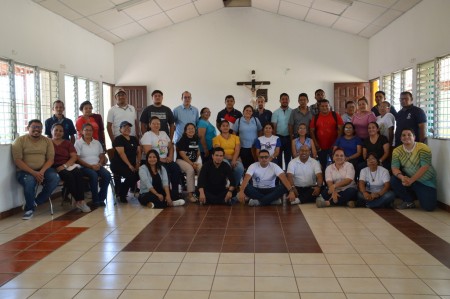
[(419, 35), (209, 54), (33, 35)]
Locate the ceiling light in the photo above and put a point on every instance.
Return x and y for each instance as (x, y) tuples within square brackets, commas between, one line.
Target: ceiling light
[(128, 4)]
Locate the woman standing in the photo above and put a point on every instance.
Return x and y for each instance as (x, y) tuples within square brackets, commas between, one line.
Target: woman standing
[(362, 118), (341, 187), (248, 129), (154, 191), (64, 163), (94, 119), (206, 132), (269, 142), (125, 163), (92, 157), (188, 153), (412, 172)]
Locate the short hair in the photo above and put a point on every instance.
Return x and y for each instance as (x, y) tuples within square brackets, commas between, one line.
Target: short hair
[(338, 149), (264, 151), (261, 97), (283, 95), (363, 99), (351, 124), (85, 103), (186, 92), (55, 125), (217, 149), (269, 124), (386, 103), (373, 154), (248, 106), (403, 93), (153, 118), (381, 92), (229, 97), (203, 110), (409, 129), (303, 94), (348, 103), (323, 101), (157, 91), (87, 125), (35, 120), (58, 102), (318, 90)]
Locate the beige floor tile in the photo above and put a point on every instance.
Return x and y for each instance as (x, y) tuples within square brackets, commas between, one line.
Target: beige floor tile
[(276, 295), (237, 258), (275, 284), (85, 268), (28, 281), (142, 294), (16, 293), (420, 259), (131, 257), (192, 283), (313, 271), (48, 267), (322, 296), (70, 281), (234, 284), (392, 271), (331, 239), (98, 294), (235, 270), (337, 248), (97, 256), (201, 257), (197, 269), (308, 259), (369, 296), (405, 248), (122, 268), (273, 270), (77, 246), (352, 271), (63, 256), (115, 238), (406, 286), (322, 285), (54, 294), (361, 285), (431, 272), (172, 294), (344, 259), (381, 259), (409, 296), (365, 248), (108, 246), (440, 286), (109, 282), (159, 269), (234, 295), (272, 258), (166, 257), (148, 282)]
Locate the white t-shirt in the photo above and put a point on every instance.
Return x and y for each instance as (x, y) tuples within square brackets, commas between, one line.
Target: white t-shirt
[(264, 177), (89, 153), (160, 142), (304, 173), (116, 115), (374, 180), (268, 143), (386, 122)]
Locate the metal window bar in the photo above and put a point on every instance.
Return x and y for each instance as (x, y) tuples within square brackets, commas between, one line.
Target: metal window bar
[(48, 91), (442, 111), (25, 94), (387, 83), (425, 94), (396, 89), (94, 92), (7, 107)]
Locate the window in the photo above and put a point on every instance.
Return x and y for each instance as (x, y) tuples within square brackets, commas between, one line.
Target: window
[(94, 96), (395, 83), (78, 90), (425, 92), (48, 81), (6, 107), (443, 98), (70, 97), (387, 87), (396, 89)]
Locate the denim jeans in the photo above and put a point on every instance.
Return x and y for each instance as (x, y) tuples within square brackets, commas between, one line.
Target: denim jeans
[(383, 201), (427, 196), (29, 183), (238, 171), (98, 196), (265, 195), (344, 196)]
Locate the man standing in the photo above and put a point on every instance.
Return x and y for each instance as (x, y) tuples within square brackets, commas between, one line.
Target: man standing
[(280, 120), (119, 113), (162, 112), (58, 117), (412, 117), (263, 191), (33, 155), (319, 95), (325, 128), (229, 113), (300, 115), (264, 115), (380, 97), (305, 174), (184, 114), (213, 179)]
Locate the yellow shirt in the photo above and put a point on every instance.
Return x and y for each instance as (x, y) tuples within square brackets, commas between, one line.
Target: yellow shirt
[(34, 154), (227, 144)]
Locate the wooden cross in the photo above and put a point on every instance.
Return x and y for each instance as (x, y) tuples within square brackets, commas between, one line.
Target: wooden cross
[(253, 83)]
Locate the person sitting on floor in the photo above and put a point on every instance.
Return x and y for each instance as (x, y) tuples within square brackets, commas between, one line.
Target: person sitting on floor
[(213, 180), (154, 191), (305, 174), (263, 191)]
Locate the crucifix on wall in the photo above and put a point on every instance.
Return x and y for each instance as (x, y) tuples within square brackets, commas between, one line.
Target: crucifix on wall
[(255, 87)]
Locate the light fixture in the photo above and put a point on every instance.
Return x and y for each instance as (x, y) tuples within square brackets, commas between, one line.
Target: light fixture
[(128, 4)]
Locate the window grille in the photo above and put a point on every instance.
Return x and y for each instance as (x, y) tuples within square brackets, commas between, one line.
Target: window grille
[(70, 97), (7, 121), (442, 111), (387, 87), (426, 93), (48, 92), (396, 89), (27, 108), (94, 96)]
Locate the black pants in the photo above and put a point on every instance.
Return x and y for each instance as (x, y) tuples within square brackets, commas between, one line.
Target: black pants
[(305, 194), (174, 174), (246, 157), (131, 178), (73, 181), (145, 198), (286, 150), (215, 198)]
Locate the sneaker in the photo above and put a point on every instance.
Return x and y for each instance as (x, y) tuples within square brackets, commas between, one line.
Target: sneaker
[(320, 202), (406, 205), (253, 203), (179, 202), (150, 205), (28, 215), (276, 202), (192, 198), (296, 201), (351, 204), (83, 207)]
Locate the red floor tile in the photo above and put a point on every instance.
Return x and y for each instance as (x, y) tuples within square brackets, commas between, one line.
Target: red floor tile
[(12, 245), (31, 255), (30, 237), (5, 277), (15, 266), (7, 255), (46, 246)]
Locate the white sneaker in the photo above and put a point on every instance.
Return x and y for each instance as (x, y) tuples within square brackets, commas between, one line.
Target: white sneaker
[(296, 201), (276, 202), (179, 202), (253, 203), (83, 207)]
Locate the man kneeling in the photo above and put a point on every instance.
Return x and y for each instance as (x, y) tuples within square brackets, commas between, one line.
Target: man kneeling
[(264, 174)]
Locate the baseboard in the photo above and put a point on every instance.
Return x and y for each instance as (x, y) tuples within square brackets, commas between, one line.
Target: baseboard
[(444, 206), (18, 210)]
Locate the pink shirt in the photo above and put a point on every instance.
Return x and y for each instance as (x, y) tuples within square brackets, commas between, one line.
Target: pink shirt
[(361, 121), (347, 171)]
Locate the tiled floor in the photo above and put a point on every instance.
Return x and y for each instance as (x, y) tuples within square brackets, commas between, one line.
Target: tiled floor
[(128, 251)]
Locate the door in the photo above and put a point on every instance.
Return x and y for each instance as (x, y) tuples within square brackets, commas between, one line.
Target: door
[(137, 97), (344, 92)]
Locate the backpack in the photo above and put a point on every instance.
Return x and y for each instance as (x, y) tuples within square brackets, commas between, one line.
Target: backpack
[(239, 124)]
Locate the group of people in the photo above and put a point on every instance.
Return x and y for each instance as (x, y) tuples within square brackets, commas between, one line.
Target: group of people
[(364, 162)]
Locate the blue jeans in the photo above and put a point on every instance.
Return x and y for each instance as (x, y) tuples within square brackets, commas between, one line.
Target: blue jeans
[(345, 196), (265, 195), (29, 183), (426, 195), (238, 171), (98, 196), (383, 201)]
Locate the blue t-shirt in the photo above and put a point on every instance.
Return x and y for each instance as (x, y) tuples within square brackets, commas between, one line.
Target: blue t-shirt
[(69, 128), (409, 118), (247, 131), (209, 134), (349, 145)]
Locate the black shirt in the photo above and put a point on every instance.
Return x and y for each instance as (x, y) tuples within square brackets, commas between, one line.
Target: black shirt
[(376, 147), (189, 146), (164, 114), (214, 179), (130, 148)]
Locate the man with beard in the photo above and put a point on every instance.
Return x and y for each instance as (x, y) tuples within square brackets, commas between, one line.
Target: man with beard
[(264, 115)]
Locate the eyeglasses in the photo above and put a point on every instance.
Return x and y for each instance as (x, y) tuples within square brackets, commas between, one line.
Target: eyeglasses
[(36, 127), (348, 129), (264, 157)]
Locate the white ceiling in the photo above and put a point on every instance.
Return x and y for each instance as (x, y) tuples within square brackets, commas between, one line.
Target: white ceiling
[(119, 20)]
